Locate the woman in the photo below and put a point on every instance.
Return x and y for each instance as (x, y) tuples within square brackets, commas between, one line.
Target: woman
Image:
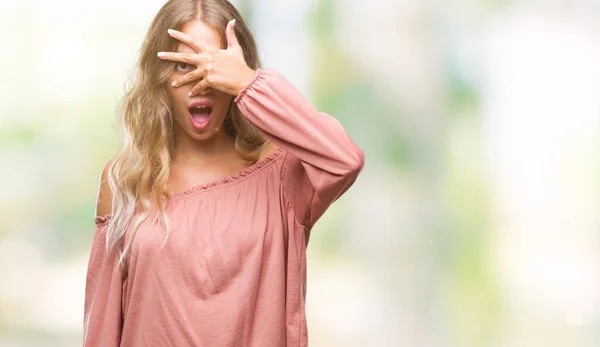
[(203, 218)]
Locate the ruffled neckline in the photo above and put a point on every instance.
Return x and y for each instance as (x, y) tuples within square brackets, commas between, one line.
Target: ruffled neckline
[(247, 172), (101, 220), (237, 177)]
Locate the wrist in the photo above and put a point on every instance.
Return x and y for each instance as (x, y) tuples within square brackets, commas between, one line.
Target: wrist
[(245, 80)]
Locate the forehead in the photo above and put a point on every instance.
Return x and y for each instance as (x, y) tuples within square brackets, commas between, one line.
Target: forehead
[(200, 32)]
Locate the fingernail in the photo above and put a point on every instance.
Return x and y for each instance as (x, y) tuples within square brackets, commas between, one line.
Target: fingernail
[(161, 54), (174, 84), (233, 22), (190, 94), (170, 31)]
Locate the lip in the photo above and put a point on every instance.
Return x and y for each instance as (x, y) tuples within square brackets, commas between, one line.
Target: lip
[(201, 125)]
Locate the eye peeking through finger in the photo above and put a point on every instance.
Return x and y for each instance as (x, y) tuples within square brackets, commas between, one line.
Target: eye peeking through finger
[(184, 67)]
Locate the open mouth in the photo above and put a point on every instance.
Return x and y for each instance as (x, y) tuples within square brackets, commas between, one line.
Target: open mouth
[(200, 116)]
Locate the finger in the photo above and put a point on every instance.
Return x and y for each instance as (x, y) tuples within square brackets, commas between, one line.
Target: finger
[(188, 58), (199, 88), (188, 40), (230, 33), (190, 77)]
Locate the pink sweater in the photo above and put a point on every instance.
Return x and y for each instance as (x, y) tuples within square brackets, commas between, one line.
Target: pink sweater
[(233, 271)]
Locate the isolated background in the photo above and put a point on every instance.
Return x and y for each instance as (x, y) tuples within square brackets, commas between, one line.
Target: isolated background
[(475, 222)]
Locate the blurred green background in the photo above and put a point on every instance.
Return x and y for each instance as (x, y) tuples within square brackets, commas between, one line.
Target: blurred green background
[(475, 222)]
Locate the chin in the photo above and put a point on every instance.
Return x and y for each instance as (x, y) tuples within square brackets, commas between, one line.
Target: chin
[(206, 133), (202, 135)]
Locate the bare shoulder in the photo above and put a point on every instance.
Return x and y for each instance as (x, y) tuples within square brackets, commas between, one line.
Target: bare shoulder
[(104, 197), (269, 149)]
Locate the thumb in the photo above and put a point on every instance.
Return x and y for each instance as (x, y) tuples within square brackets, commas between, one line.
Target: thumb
[(230, 33)]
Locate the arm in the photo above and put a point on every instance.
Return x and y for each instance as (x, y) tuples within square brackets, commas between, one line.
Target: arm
[(322, 161), (104, 281)]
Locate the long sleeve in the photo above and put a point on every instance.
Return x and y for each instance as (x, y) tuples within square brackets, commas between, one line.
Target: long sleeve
[(103, 292), (322, 162)]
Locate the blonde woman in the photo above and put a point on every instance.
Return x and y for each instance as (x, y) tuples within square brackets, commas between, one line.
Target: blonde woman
[(204, 216)]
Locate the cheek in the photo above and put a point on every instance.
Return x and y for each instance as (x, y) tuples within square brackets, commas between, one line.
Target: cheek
[(223, 101), (178, 96)]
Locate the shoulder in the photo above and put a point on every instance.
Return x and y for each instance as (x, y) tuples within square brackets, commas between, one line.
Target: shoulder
[(104, 197)]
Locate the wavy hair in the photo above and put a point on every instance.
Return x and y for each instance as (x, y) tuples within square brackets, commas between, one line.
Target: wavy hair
[(138, 174)]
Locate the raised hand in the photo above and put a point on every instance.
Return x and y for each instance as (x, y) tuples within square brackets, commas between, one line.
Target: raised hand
[(220, 69)]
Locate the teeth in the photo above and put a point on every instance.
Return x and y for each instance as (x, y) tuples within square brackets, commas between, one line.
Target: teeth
[(200, 108)]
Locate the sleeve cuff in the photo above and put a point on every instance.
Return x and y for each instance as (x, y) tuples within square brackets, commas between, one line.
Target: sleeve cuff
[(248, 86)]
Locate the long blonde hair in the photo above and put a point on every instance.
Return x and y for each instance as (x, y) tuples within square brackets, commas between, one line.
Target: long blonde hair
[(139, 173)]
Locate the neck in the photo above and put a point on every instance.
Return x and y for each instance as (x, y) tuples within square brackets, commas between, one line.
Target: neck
[(190, 151)]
